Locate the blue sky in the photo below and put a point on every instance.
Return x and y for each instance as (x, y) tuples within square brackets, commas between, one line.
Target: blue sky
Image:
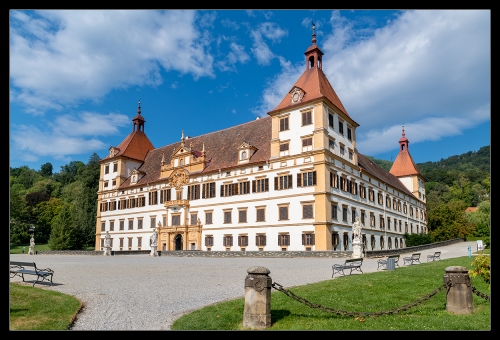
[(76, 76)]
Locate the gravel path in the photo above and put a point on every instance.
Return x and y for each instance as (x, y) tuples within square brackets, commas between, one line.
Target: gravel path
[(138, 292)]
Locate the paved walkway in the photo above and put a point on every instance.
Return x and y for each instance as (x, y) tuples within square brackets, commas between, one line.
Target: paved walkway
[(138, 292)]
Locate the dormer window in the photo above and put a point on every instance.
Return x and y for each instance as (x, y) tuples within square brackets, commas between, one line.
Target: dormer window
[(245, 151)]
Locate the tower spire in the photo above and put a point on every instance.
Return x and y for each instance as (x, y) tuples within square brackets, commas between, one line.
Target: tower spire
[(313, 53), (138, 121)]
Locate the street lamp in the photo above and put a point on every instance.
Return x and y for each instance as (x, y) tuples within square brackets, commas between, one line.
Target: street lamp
[(32, 230)]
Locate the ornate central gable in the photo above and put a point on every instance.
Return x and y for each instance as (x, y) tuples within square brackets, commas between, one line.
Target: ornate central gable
[(184, 157)]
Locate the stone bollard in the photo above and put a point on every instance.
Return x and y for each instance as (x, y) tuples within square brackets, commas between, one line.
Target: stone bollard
[(257, 312), (459, 293)]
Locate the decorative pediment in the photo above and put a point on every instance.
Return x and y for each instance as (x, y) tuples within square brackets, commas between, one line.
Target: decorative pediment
[(178, 178), (113, 151), (296, 94), (136, 175), (245, 152)]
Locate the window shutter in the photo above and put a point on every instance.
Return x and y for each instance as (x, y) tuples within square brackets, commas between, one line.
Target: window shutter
[(279, 240), (290, 180), (189, 192), (314, 177), (264, 239), (275, 183), (266, 184), (222, 190), (235, 188), (312, 240), (253, 186), (299, 180), (303, 239)]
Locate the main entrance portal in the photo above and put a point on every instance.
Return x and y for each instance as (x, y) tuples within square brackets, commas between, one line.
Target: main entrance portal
[(178, 242)]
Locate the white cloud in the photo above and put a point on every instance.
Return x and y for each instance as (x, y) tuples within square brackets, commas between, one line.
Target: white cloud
[(67, 135), (430, 70), (260, 48), (62, 57)]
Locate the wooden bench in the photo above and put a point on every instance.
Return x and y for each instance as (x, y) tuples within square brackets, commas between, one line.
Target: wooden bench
[(351, 264), (414, 258), (20, 268), (383, 262), (435, 256)]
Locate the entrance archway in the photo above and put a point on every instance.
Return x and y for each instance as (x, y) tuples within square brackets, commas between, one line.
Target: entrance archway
[(178, 242)]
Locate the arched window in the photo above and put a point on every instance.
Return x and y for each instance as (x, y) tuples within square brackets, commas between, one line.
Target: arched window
[(243, 155)]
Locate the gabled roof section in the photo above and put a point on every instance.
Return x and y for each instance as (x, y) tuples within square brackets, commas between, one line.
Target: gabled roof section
[(135, 146), (221, 147), (378, 172), (315, 84)]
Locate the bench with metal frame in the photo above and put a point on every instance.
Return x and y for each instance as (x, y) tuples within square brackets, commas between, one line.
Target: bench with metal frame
[(434, 257), (383, 262), (19, 269), (414, 258), (350, 264)]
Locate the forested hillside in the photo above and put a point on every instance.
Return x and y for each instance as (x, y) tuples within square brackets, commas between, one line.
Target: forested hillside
[(63, 205)]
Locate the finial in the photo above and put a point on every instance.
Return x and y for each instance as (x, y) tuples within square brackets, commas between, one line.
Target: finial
[(314, 33), (139, 107), (182, 138), (403, 130), (162, 158), (203, 150)]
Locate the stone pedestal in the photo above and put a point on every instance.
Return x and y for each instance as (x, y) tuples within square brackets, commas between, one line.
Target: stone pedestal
[(459, 294), (153, 251), (107, 251), (257, 311), (31, 251), (357, 249)]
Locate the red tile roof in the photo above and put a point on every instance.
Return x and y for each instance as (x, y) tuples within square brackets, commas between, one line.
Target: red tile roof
[(315, 84), (135, 146), (404, 165), (471, 209)]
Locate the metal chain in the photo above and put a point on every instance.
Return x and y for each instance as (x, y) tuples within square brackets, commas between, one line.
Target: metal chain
[(478, 293), (280, 288)]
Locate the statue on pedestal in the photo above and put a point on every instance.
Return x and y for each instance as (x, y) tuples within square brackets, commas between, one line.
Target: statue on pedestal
[(154, 243), (357, 251), (32, 246), (107, 244)]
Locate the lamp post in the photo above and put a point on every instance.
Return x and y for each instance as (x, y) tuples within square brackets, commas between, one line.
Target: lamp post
[(32, 240)]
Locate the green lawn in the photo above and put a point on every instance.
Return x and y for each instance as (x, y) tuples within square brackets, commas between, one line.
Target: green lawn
[(33, 308), (18, 249), (370, 292)]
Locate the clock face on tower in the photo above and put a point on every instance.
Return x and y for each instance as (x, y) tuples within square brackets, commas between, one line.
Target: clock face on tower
[(296, 96)]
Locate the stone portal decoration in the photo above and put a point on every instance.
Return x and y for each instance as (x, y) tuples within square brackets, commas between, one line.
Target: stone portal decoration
[(154, 243), (32, 246), (107, 244), (357, 243)]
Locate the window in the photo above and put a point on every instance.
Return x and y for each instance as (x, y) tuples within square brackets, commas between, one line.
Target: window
[(388, 202), (371, 195), (111, 225), (380, 198), (353, 215), (131, 202), (243, 240), (283, 240), (261, 214), (349, 134), (342, 149), (382, 223), (243, 155), (243, 188), (121, 243), (284, 149), (344, 213), (362, 217), (209, 241), (306, 118), (283, 212), (130, 224), (306, 179), (152, 223), (104, 206), (227, 216), (165, 195), (139, 243), (399, 206), (106, 184), (350, 155), (394, 204), (228, 189), (405, 208), (122, 204), (372, 219), (122, 224), (388, 223), (164, 220), (307, 144), (106, 169), (411, 211), (176, 220), (331, 143), (115, 167), (260, 185), (208, 217), (362, 191), (283, 182), (308, 239), (193, 192), (153, 197), (242, 216), (334, 180), (227, 241), (194, 218), (114, 183), (141, 201), (334, 211), (341, 128), (208, 190), (112, 205), (260, 240), (399, 225), (330, 120), (139, 223), (307, 210), (284, 124), (130, 243), (103, 226)]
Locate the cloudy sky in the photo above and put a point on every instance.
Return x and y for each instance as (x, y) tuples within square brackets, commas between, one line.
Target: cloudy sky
[(76, 77)]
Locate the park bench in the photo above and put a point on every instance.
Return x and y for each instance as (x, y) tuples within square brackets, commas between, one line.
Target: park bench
[(414, 258), (383, 262), (21, 268), (435, 256), (350, 264)]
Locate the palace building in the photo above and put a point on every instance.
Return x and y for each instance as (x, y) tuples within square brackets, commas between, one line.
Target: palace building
[(292, 181)]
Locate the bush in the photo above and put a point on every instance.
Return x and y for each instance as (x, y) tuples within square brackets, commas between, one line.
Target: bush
[(481, 267), (413, 240)]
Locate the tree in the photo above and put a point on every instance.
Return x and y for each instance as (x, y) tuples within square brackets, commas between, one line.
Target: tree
[(448, 221), (65, 234), (46, 213), (46, 170), (481, 219)]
